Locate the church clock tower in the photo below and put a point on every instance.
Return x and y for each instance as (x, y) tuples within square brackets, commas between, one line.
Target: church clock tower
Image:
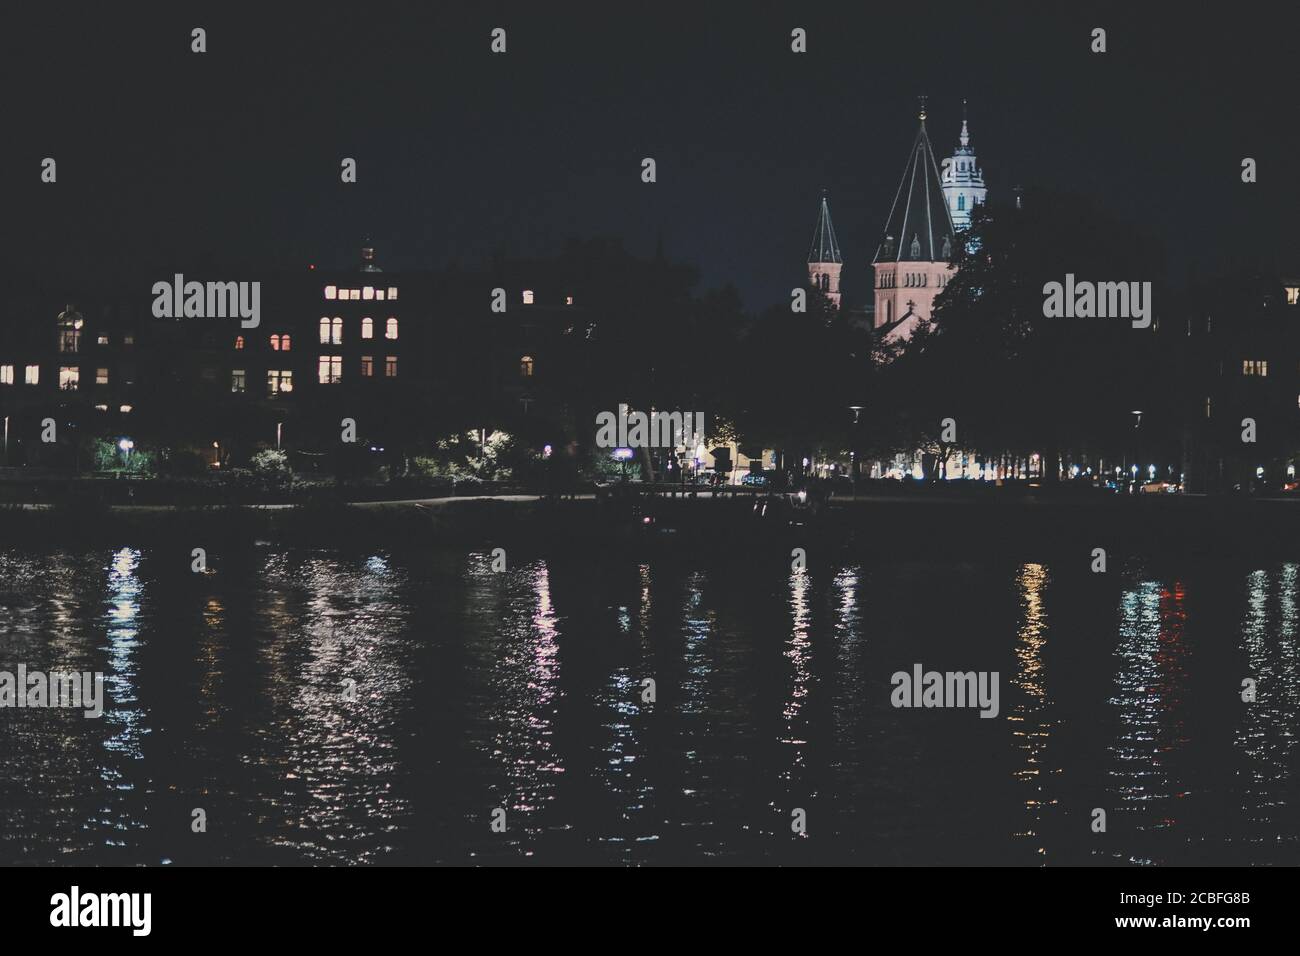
[(963, 180)]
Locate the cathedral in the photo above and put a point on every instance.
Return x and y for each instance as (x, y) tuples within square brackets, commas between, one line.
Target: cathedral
[(932, 205)]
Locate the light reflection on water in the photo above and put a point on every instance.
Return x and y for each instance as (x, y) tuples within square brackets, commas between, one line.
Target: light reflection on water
[(330, 707)]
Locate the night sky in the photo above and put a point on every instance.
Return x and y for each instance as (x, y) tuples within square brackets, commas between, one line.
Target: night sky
[(172, 161)]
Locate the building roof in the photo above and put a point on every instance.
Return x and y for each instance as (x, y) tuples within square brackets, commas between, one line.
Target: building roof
[(824, 247), (919, 228)]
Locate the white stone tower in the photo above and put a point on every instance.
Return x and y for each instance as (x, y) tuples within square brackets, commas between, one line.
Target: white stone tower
[(963, 180)]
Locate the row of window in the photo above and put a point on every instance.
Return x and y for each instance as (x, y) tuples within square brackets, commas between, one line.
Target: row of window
[(370, 292), (70, 340), (278, 381), (329, 368), (364, 293), (69, 376), (279, 343), (7, 374), (331, 330)]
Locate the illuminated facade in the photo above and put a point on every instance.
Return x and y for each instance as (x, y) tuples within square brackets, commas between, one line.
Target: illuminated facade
[(963, 180), (912, 262), (824, 260)]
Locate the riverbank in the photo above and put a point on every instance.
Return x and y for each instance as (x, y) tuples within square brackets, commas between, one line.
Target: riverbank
[(891, 527)]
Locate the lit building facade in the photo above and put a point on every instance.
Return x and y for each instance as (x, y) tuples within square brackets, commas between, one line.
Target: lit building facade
[(824, 260), (912, 263), (963, 180)]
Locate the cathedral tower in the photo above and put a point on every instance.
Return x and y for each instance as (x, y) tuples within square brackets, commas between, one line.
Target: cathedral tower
[(824, 261), (963, 180), (912, 262)]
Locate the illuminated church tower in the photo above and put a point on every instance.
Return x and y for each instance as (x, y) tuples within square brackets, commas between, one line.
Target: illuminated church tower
[(912, 262), (963, 180), (824, 261)]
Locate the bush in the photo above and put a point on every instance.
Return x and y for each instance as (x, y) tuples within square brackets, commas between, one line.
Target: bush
[(271, 463)]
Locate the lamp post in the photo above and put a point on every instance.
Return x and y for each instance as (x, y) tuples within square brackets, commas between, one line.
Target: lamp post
[(853, 448), (1137, 443)]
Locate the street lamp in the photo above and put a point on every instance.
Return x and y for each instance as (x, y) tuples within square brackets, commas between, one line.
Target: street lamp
[(853, 450)]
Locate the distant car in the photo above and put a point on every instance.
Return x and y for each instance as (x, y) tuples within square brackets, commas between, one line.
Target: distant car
[(1160, 487), (754, 480)]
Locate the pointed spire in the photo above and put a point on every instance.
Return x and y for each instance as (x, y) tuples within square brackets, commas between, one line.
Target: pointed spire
[(965, 132), (824, 247), (919, 218)]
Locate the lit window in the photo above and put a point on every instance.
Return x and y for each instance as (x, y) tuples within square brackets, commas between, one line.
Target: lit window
[(102, 340), (368, 292), (124, 409), (239, 342), (275, 343), (1293, 295), (390, 366), (101, 376), (528, 297), (101, 408), (128, 339), (70, 324), (279, 381), (367, 328), (390, 328), (354, 293), (33, 375), (331, 292), (379, 294), (324, 331), (568, 300), (1255, 367), (526, 366), (392, 292), (336, 331), (237, 380), (1207, 406), (69, 377), (284, 342), (6, 374), (330, 369), (367, 366)]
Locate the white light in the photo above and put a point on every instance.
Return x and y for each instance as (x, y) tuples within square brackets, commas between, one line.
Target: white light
[(126, 444)]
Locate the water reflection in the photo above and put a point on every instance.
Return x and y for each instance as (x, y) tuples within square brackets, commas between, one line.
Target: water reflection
[(1265, 735), (121, 613), (376, 707), (1033, 718)]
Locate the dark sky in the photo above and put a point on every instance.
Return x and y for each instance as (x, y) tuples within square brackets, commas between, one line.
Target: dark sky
[(170, 161)]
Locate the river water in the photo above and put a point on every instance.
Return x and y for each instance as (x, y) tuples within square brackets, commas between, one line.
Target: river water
[(522, 691)]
